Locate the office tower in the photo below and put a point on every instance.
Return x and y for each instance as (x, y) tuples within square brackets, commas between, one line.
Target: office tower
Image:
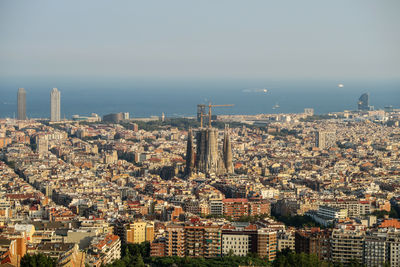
[(325, 139), (363, 102), (227, 152), (189, 154), (55, 105), (21, 104)]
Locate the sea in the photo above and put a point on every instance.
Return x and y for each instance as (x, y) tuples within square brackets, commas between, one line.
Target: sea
[(144, 97)]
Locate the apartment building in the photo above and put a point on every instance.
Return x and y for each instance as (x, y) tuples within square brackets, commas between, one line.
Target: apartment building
[(267, 243), (175, 240), (203, 241), (105, 249), (139, 232), (236, 207), (347, 243), (235, 244), (313, 241)]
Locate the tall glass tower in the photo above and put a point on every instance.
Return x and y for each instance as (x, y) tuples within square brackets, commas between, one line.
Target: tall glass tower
[(21, 99), (55, 105), (363, 102)]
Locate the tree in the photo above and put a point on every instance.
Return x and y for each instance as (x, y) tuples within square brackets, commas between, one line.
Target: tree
[(139, 261), (37, 260)]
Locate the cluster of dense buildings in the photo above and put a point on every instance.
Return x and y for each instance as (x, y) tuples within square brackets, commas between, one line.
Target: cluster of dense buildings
[(77, 192)]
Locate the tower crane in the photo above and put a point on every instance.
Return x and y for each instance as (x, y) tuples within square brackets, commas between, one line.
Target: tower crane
[(201, 119), (209, 110)]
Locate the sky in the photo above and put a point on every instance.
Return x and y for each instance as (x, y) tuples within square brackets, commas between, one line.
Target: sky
[(288, 39)]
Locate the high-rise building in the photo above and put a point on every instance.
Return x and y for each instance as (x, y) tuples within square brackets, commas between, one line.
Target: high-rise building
[(325, 139), (363, 102), (55, 105), (21, 99)]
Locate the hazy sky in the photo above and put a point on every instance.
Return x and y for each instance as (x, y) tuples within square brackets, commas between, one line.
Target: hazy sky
[(217, 38)]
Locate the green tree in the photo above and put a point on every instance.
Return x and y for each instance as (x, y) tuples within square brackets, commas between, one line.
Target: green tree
[(139, 261), (37, 260)]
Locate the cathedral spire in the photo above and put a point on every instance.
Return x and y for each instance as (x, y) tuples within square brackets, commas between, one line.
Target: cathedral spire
[(189, 154), (227, 151)]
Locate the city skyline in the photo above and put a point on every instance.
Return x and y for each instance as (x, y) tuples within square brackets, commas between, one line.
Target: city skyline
[(200, 133), (115, 101)]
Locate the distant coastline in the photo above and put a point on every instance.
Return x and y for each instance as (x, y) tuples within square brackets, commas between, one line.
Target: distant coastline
[(180, 99)]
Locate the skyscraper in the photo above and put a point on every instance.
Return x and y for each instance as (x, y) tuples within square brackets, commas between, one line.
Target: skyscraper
[(21, 99), (55, 105), (363, 102)]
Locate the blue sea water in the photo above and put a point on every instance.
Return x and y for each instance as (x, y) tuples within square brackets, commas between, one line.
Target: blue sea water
[(143, 97)]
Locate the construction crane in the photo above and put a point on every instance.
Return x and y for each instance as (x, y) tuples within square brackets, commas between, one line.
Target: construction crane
[(209, 111), (201, 119)]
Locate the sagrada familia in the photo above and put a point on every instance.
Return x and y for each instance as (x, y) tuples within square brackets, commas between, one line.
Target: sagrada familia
[(206, 158)]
